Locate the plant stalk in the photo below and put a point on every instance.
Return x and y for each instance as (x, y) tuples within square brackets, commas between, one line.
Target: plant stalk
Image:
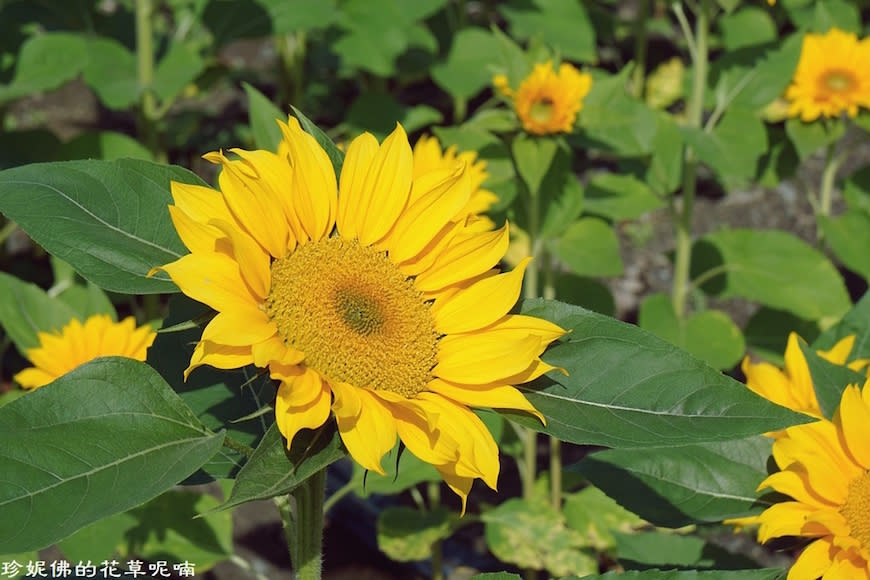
[(638, 75), (145, 76), (695, 110), (303, 526), (833, 161), (436, 550)]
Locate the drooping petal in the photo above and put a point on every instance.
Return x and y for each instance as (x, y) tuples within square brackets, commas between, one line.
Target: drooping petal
[(493, 396), (303, 402), (196, 236), (252, 260), (219, 356), (274, 351), (481, 304), (365, 424), (200, 203), (465, 257), (213, 279), (242, 327), (783, 519), (483, 359)]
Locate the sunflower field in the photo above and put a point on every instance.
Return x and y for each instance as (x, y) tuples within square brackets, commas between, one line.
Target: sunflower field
[(449, 289)]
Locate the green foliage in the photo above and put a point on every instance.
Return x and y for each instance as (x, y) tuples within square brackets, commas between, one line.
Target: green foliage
[(137, 443), (406, 534), (589, 247)]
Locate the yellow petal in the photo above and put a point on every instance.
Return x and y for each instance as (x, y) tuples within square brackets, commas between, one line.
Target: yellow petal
[(414, 429), (522, 325), (481, 304), (253, 208), (220, 356), (303, 402), (196, 236), (253, 262), (796, 485), (783, 519), (465, 257), (314, 191), (200, 203), (461, 486), (213, 279), (493, 396), (365, 425), (439, 196), (839, 353), (799, 374), (274, 351), (386, 188), (351, 194), (813, 562), (854, 415), (481, 359), (239, 327), (33, 377)]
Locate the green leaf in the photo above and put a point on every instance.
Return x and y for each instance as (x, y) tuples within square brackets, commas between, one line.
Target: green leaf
[(88, 300), (808, 138), (684, 484), (336, 155), (829, 379), (734, 147), (596, 516), (767, 332), (263, 118), (589, 247), (615, 122), (26, 310), (496, 576), (856, 322), (856, 191), (619, 197), (842, 14), (111, 72), (665, 549), (561, 193), (762, 574), (563, 25), (178, 68), (665, 170), (272, 470), (765, 78), (237, 401), (849, 237), (104, 145), (378, 112), (710, 335), (411, 472), (534, 536), (406, 534), (626, 388), (126, 438), (585, 292), (746, 27), (289, 16), (71, 209), (45, 62), (467, 69), (533, 157), (774, 268)]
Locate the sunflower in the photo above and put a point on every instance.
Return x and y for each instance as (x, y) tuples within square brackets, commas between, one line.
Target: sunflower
[(77, 343), (429, 156), (547, 101), (368, 297), (792, 386), (832, 76), (825, 469)]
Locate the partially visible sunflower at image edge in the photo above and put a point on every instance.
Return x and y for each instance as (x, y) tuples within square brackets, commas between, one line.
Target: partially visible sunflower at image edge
[(369, 298), (832, 76), (78, 343), (825, 470), (547, 101)]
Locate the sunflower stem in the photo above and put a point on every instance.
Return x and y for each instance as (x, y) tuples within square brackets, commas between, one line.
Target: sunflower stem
[(302, 515), (826, 191), (695, 113), (638, 75), (231, 443), (145, 77), (436, 550)]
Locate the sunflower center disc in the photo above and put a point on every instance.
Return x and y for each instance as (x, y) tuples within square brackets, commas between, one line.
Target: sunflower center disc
[(356, 317), (856, 509), (541, 111), (838, 82)]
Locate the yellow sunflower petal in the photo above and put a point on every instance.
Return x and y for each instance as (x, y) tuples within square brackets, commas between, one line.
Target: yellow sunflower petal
[(854, 415), (33, 377), (314, 190), (386, 188), (839, 353), (196, 236), (351, 194), (219, 356), (796, 484), (273, 350), (481, 359), (467, 256), (439, 196), (493, 396), (461, 486), (303, 402), (799, 374), (415, 431), (213, 279), (239, 327), (481, 304), (783, 519), (253, 262), (365, 424), (200, 203), (813, 562)]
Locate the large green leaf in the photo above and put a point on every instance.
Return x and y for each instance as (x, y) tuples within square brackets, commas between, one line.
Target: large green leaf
[(263, 118), (406, 534), (829, 380), (106, 437), (236, 400), (774, 268), (614, 121), (26, 310), (46, 61), (856, 322), (734, 147), (627, 388), (108, 219), (619, 197), (849, 237), (467, 69), (676, 486), (561, 24), (273, 470), (111, 72), (589, 247)]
